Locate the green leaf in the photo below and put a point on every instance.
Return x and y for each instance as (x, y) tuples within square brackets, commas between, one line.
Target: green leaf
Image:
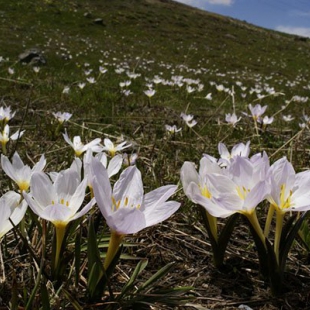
[(287, 227), (261, 251), (95, 267), (286, 245), (45, 297), (275, 272), (139, 268), (159, 274), (77, 257)]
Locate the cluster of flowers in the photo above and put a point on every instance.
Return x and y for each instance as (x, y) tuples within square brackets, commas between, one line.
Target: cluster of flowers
[(236, 184)]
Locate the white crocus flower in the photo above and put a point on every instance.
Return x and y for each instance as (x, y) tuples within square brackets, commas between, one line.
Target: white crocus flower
[(5, 135), (79, 147), (6, 114), (172, 129), (125, 208), (189, 120), (11, 208), (62, 117), (112, 149), (19, 172), (232, 119), (113, 166), (289, 191), (150, 92), (58, 202), (239, 149)]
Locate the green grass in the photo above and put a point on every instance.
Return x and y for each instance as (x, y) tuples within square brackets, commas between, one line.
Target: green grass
[(149, 38)]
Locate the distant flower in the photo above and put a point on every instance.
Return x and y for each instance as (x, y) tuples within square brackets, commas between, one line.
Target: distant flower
[(257, 111), (125, 84), (19, 172), (6, 114), (133, 75), (102, 70), (79, 148), (288, 118), (220, 87), (129, 160), (91, 80), (36, 69), (66, 90), (157, 79), (88, 72), (209, 96), (150, 92), (11, 71), (5, 135), (232, 119), (266, 120), (112, 149), (13, 208), (62, 117), (113, 166), (172, 129), (119, 70), (81, 85), (126, 92), (189, 119), (189, 89)]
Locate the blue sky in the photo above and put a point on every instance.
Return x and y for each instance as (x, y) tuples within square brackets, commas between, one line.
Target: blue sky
[(291, 16)]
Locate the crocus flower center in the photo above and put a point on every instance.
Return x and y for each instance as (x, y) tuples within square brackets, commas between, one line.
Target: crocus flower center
[(285, 202), (62, 201), (124, 202), (205, 192), (242, 192), (23, 185)]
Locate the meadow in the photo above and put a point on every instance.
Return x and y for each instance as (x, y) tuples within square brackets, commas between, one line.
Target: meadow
[(151, 86)]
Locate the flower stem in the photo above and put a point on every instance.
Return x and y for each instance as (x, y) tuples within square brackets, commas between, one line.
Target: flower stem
[(115, 241), (252, 217), (279, 226), (268, 220), (213, 225), (60, 233)]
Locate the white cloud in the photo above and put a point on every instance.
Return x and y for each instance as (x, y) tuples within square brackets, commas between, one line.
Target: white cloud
[(300, 31), (204, 3), (221, 2), (300, 13)]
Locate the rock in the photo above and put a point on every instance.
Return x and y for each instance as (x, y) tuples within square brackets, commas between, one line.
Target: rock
[(230, 36), (32, 56), (99, 21), (87, 15)]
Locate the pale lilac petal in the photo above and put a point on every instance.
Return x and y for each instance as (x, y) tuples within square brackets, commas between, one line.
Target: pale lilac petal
[(84, 210), (188, 175), (66, 183), (67, 139), (8, 167), (115, 165), (56, 213), (78, 196), (39, 166), (129, 185), (160, 212), (33, 204), (126, 221), (42, 189), (102, 187), (157, 197), (258, 193)]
